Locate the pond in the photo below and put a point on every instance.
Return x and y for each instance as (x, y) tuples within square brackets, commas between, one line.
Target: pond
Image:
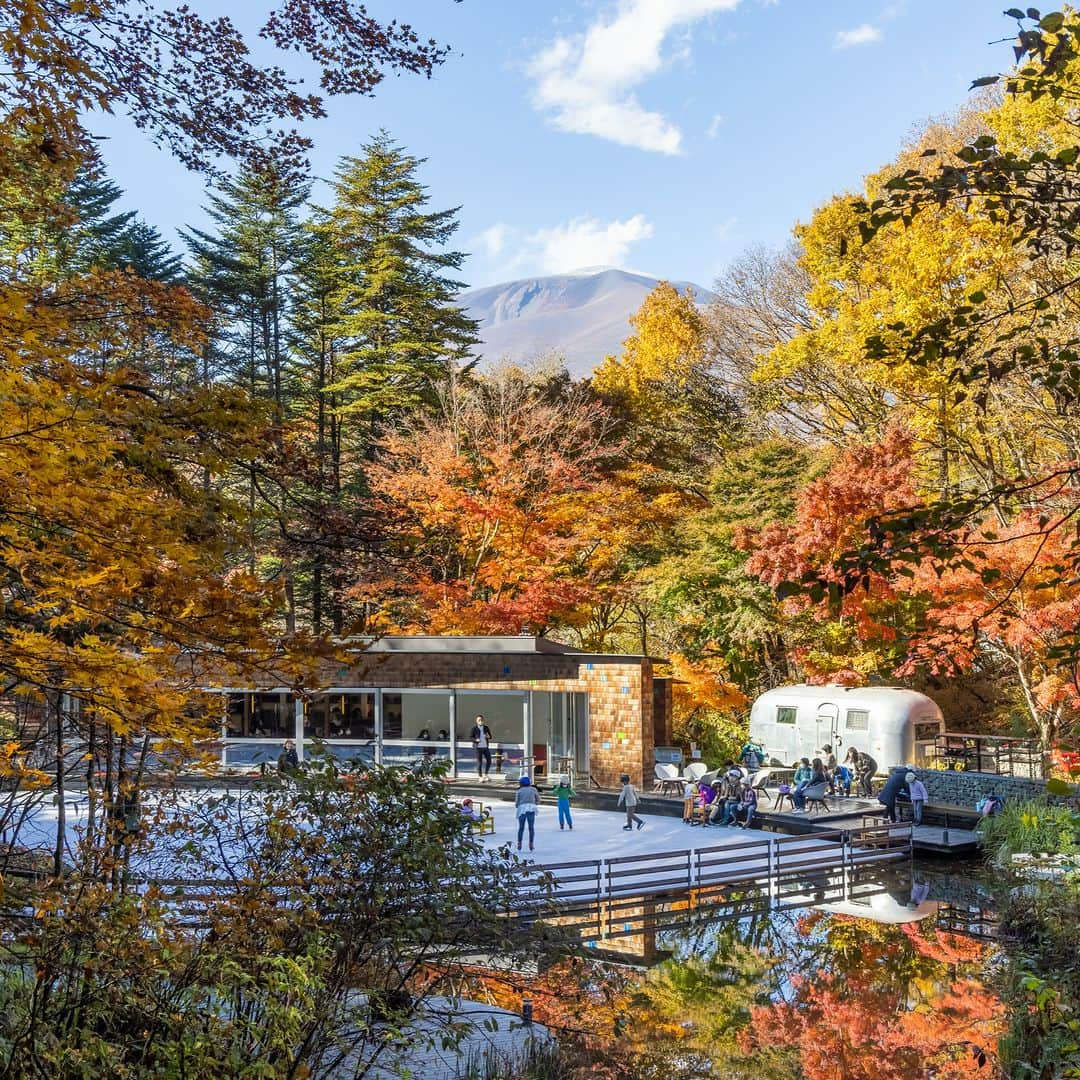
[(897, 983)]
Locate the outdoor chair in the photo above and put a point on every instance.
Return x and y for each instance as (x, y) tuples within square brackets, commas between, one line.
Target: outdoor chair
[(486, 824), (815, 797), (668, 779), (759, 780), (783, 796), (695, 771)]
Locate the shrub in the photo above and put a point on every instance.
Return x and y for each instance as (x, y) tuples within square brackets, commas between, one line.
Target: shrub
[(1030, 828)]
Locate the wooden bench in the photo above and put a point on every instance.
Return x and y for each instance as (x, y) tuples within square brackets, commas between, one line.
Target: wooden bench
[(944, 814)]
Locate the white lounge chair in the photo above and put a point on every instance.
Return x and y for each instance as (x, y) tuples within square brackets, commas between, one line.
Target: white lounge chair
[(759, 781), (668, 779), (695, 771)]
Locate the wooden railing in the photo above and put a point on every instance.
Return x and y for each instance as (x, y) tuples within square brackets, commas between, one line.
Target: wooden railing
[(636, 893)]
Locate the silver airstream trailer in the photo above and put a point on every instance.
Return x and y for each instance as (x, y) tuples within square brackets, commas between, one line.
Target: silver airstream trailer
[(895, 726)]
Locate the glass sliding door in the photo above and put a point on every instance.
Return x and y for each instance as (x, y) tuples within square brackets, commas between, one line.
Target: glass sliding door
[(256, 725), (504, 713), (345, 721)]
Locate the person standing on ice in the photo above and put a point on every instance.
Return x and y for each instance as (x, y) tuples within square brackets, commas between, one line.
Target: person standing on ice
[(563, 793), (628, 797), (526, 803)]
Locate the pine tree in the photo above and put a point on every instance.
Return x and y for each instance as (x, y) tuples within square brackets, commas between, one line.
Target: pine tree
[(376, 333), (244, 272), (400, 328)]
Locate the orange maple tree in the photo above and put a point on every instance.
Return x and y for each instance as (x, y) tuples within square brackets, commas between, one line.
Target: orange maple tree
[(845, 632), (1012, 597), (494, 499)]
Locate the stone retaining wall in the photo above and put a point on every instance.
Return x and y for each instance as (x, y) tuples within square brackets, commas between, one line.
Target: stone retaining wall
[(967, 788)]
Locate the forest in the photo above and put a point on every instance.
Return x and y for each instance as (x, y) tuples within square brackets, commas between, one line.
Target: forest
[(858, 464)]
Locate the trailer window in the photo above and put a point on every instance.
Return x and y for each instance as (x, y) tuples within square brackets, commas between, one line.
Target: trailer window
[(926, 730), (858, 720), (786, 714)]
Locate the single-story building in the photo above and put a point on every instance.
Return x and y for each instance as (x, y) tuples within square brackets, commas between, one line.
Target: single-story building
[(551, 708)]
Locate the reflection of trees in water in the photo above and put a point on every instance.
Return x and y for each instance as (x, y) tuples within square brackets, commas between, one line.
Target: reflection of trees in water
[(822, 996)]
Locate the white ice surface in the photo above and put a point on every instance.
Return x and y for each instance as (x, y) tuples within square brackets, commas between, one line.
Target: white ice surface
[(598, 834)]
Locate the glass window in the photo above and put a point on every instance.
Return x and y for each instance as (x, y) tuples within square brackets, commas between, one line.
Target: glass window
[(251, 755), (340, 716), (503, 713), (858, 720), (786, 714), (926, 730), (259, 716), (421, 716)]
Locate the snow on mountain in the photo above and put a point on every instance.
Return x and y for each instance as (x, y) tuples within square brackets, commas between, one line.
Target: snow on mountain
[(582, 315)]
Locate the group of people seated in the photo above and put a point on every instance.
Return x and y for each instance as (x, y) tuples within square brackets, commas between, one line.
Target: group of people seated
[(857, 768), (729, 800)]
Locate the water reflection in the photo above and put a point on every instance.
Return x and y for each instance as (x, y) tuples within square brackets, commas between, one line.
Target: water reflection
[(883, 985)]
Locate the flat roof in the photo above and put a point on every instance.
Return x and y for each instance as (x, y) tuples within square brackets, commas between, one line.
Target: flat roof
[(517, 644)]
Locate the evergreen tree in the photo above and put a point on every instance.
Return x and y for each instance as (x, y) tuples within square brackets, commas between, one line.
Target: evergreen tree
[(85, 232), (400, 328), (141, 249), (244, 271), (376, 332)]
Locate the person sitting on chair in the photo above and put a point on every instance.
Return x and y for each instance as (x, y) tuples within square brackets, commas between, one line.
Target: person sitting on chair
[(470, 814), (802, 775), (727, 799), (817, 776), (744, 810)]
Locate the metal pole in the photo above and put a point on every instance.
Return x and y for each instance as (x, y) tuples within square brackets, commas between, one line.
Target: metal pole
[(774, 871), (845, 858)]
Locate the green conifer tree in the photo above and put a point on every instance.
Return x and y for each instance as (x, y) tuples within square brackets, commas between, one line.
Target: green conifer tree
[(244, 270), (400, 329)]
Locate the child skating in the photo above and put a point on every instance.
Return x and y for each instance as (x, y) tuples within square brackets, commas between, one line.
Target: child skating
[(628, 797), (563, 792)]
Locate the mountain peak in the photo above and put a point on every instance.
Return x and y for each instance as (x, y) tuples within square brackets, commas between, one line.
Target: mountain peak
[(583, 315)]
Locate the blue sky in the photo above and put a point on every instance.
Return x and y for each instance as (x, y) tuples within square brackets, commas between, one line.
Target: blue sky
[(658, 135)]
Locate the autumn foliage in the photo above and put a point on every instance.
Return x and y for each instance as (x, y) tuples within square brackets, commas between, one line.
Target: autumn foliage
[(889, 1003), (491, 503)]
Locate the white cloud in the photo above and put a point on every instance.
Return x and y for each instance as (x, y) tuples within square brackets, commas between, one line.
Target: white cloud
[(570, 245), (866, 34), (715, 124), (585, 241), (586, 82), (493, 239)]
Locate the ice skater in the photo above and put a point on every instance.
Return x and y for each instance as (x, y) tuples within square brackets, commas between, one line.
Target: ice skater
[(628, 797), (526, 803), (563, 793)]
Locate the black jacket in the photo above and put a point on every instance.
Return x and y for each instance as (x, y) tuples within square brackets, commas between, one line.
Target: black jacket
[(893, 786)]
